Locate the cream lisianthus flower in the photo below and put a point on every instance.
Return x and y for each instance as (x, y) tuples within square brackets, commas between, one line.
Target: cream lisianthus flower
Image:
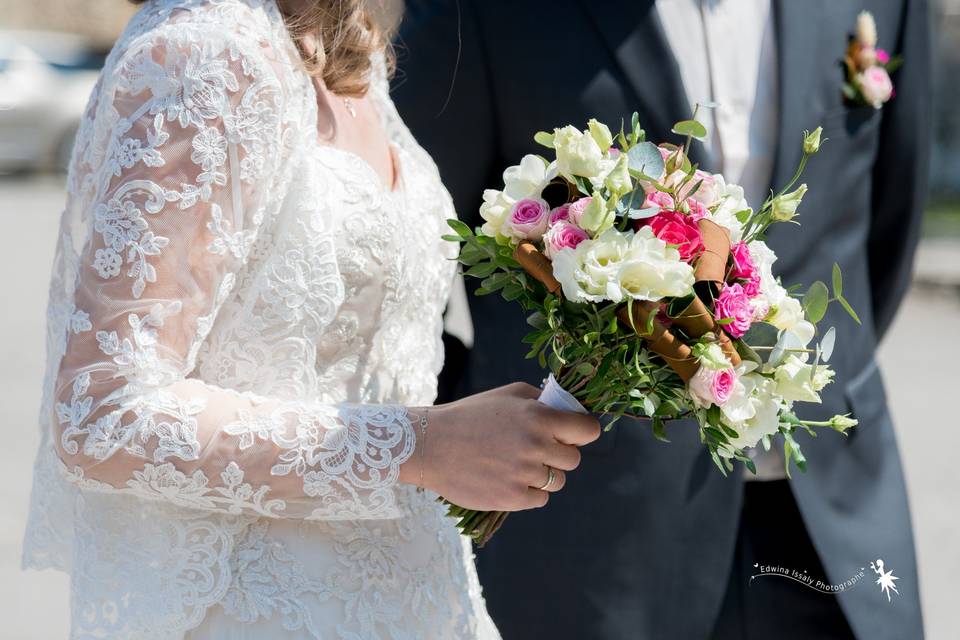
[(588, 273), (797, 382), (652, 270), (578, 153), (619, 265), (753, 411), (529, 178)]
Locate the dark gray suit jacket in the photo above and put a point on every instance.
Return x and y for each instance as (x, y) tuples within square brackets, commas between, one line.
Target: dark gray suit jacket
[(639, 544)]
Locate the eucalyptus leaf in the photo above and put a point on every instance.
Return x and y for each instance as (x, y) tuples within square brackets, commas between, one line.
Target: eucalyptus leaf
[(815, 302), (846, 306), (690, 128), (761, 334), (837, 281), (827, 343), (645, 158), (643, 214)]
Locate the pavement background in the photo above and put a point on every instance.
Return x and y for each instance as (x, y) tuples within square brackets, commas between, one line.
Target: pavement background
[(922, 378)]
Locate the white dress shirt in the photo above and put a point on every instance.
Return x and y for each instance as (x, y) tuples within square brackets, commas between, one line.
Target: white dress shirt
[(726, 53)]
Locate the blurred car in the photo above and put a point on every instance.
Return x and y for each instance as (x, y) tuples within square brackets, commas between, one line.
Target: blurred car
[(45, 81)]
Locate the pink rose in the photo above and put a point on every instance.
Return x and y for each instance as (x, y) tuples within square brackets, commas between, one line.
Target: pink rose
[(708, 193), (528, 219), (709, 386), (659, 199), (876, 86), (576, 208), (882, 56), (679, 230), (734, 305), (560, 213), (745, 269), (697, 210), (562, 235)]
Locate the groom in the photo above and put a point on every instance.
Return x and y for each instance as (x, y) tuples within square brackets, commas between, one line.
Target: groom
[(649, 540)]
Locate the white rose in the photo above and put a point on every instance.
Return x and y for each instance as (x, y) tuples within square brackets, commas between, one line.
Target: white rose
[(588, 273), (578, 154), (529, 178), (651, 270), (732, 201), (796, 382), (495, 210)]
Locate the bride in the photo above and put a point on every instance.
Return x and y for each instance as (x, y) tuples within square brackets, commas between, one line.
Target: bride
[(243, 341)]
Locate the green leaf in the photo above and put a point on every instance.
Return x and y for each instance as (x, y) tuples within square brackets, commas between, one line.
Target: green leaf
[(461, 228), (512, 291), (827, 343), (815, 302), (451, 238), (481, 270), (645, 158), (496, 281), (690, 128), (544, 138), (846, 305), (659, 430), (537, 320), (837, 281)]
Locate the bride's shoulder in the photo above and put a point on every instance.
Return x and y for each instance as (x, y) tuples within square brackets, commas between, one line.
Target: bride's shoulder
[(250, 31)]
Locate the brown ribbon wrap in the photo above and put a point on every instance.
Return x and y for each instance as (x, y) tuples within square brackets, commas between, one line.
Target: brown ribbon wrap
[(537, 265), (696, 320), (712, 265), (661, 341)]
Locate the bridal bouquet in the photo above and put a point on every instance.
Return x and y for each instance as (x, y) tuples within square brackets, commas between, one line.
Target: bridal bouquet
[(650, 292)]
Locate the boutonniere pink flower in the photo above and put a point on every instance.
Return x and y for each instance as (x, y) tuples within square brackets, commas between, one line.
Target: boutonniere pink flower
[(867, 66)]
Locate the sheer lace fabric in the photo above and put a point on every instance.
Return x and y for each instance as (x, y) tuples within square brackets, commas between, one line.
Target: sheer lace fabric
[(238, 319)]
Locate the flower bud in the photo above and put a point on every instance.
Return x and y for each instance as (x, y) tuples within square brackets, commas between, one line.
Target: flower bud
[(597, 217), (601, 134), (842, 423), (866, 29), (811, 141), (785, 206)]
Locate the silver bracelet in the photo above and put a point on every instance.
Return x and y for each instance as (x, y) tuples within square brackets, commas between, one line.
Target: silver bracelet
[(423, 448)]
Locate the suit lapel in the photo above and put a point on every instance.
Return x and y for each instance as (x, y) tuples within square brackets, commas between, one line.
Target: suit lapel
[(799, 25), (636, 40)]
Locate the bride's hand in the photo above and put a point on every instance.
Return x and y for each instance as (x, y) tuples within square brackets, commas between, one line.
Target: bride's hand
[(491, 451)]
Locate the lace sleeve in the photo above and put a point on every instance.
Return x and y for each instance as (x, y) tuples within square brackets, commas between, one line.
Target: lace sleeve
[(196, 141)]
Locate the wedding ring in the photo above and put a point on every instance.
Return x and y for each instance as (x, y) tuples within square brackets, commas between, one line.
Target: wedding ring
[(551, 476)]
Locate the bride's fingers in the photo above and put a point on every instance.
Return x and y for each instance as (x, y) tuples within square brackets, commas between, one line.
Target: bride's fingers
[(562, 456), (535, 499)]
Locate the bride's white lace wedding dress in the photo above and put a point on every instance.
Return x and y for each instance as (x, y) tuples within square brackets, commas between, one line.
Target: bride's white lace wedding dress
[(238, 318)]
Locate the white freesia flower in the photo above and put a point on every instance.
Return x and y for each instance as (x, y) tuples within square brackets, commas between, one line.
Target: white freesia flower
[(578, 153), (529, 178), (797, 382), (495, 210), (732, 201), (619, 265)]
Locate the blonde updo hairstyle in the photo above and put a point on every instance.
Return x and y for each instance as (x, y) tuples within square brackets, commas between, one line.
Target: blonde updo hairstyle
[(348, 39)]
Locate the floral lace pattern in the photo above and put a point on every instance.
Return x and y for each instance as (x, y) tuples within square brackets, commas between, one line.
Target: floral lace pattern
[(238, 318)]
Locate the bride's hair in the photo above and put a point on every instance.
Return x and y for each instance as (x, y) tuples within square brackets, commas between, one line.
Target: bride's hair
[(348, 39)]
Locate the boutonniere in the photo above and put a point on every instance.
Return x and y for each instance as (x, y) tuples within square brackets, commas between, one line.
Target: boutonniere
[(868, 67)]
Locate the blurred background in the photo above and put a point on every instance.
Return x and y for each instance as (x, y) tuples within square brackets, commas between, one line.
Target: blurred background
[(50, 54)]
